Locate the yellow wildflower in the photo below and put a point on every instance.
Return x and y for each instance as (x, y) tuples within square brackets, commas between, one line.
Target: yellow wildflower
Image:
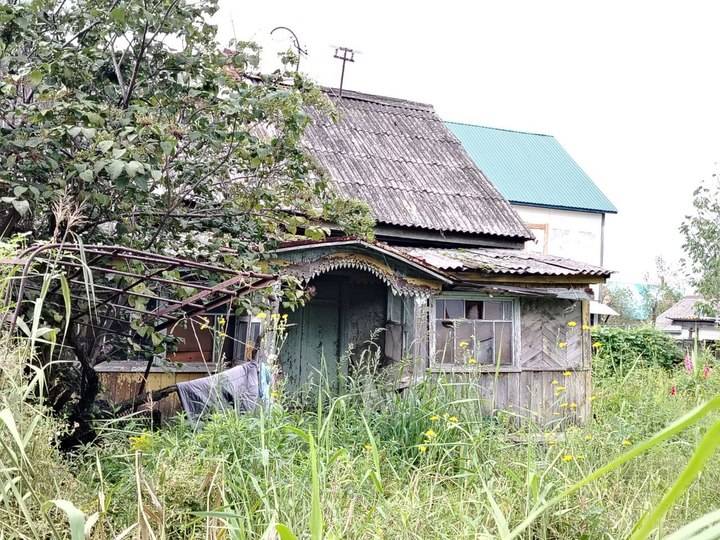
[(275, 317), (453, 420), (573, 405), (567, 373), (205, 323), (554, 382), (463, 344), (141, 443), (563, 405), (222, 335), (596, 344), (274, 394), (592, 398), (572, 324), (261, 315), (588, 437), (430, 434), (285, 317), (626, 442), (567, 458), (368, 447), (586, 327), (221, 320), (422, 448), (472, 361), (434, 418), (562, 344)]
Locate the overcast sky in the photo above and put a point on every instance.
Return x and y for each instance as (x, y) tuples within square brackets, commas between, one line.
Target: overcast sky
[(630, 88)]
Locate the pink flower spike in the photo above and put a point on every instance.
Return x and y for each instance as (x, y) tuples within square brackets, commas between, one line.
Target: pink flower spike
[(688, 363), (706, 371), (673, 390)]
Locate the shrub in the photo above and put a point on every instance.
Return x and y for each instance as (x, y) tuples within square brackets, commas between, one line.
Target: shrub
[(619, 349)]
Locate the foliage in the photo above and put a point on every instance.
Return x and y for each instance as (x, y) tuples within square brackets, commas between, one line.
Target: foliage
[(702, 244), (161, 139), (126, 123), (426, 465), (655, 298), (622, 300), (623, 348)]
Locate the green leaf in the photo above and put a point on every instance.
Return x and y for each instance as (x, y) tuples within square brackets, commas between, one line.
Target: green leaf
[(19, 190), (284, 532), (118, 15), (76, 518), (21, 207), (115, 168), (156, 338), (36, 77), (133, 168), (86, 175), (104, 146), (168, 147), (94, 118)]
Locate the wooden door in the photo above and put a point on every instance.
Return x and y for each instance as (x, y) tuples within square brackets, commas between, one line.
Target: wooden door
[(312, 345)]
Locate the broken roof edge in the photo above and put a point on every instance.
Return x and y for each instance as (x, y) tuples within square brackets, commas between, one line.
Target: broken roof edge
[(447, 274)]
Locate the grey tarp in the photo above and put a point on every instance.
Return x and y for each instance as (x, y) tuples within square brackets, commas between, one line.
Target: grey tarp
[(234, 389)]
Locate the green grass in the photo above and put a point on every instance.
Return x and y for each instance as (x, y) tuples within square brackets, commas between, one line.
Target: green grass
[(375, 465)]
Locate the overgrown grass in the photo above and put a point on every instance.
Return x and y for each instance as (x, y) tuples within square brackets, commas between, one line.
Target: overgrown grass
[(380, 465)]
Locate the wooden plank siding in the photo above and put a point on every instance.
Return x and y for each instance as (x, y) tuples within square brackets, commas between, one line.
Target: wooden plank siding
[(551, 383)]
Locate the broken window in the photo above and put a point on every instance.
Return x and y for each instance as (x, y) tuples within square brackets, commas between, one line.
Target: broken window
[(473, 332)]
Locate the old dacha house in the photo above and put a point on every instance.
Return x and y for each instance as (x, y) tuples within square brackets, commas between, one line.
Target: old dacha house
[(446, 289)]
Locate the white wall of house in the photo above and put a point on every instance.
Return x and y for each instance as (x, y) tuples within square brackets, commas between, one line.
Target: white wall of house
[(565, 233)]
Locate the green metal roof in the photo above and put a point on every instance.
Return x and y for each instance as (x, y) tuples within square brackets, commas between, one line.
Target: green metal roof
[(530, 168)]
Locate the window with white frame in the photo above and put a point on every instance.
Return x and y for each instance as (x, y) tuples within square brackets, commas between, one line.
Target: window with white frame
[(473, 332)]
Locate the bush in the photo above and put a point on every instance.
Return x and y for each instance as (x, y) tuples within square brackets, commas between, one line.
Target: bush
[(618, 349)]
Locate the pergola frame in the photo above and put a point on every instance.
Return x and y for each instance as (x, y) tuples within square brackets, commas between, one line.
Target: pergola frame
[(90, 267)]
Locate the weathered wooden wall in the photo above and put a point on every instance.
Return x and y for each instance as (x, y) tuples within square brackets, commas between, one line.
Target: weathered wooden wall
[(545, 397), (551, 381)]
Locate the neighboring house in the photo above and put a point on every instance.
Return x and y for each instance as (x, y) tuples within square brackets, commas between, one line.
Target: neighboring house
[(446, 281), (684, 322), (557, 200)]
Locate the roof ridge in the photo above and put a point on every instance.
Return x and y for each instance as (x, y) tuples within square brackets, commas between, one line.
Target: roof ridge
[(500, 129), (375, 98)]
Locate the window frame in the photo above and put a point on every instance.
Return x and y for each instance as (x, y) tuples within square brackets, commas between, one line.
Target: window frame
[(513, 366)]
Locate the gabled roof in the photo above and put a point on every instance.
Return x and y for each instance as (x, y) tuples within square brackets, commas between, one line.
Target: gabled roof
[(686, 309), (401, 159), (530, 168)]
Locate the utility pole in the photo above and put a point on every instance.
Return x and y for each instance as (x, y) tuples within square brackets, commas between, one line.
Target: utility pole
[(348, 55)]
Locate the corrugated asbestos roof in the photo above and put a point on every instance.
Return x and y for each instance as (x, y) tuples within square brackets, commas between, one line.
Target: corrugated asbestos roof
[(530, 168), (502, 261), (684, 310), (400, 158)]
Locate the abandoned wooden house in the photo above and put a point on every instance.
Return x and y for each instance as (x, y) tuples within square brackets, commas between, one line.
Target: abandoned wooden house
[(445, 288)]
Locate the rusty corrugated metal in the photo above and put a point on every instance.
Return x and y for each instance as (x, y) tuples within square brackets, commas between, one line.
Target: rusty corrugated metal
[(502, 261), (400, 158)]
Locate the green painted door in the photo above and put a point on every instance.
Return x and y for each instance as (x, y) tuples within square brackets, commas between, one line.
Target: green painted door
[(312, 345)]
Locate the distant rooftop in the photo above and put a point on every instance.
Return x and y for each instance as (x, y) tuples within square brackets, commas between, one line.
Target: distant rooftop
[(531, 168)]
